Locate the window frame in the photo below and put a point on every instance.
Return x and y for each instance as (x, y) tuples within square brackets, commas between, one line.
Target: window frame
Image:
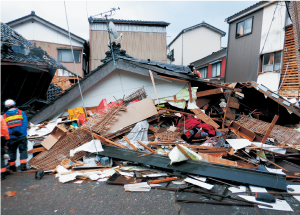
[(236, 27), (271, 53), (66, 49), (203, 67), (220, 62)]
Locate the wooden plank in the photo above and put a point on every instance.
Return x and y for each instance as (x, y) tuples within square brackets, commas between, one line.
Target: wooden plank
[(234, 105), (153, 83), (175, 79), (190, 91), (183, 152), (39, 149), (270, 128), (107, 140), (146, 147), (128, 141), (175, 111), (162, 180), (205, 118), (209, 92)]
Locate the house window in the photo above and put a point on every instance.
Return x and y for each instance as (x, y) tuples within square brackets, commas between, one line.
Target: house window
[(65, 55), (216, 69), (244, 27), (203, 72), (288, 20), (271, 62), (171, 55), (64, 73)]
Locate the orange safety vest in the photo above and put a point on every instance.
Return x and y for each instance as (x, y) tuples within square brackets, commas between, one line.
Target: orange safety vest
[(4, 130), (198, 73), (14, 120)]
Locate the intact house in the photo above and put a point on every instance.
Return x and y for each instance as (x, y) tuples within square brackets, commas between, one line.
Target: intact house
[(212, 67), (261, 48), (141, 39), (194, 43), (26, 71), (55, 41)]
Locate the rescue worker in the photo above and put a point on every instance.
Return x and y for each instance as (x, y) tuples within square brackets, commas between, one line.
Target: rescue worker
[(4, 142), (16, 121)]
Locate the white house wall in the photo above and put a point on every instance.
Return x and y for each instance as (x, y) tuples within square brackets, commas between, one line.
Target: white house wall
[(275, 40), (270, 80), (120, 83), (198, 43), (177, 46), (40, 32)]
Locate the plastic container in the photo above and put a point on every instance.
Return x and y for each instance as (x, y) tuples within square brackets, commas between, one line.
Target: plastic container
[(104, 161)]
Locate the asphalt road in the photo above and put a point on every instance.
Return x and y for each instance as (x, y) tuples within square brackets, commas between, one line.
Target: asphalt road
[(48, 196)]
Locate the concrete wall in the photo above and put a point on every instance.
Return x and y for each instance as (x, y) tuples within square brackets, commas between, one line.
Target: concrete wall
[(124, 83), (243, 51)]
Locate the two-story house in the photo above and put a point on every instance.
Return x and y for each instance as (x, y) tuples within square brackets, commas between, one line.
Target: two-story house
[(260, 46), (141, 39), (194, 43), (55, 41)]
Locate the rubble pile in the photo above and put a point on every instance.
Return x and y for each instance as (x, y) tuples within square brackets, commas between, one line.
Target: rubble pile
[(197, 138)]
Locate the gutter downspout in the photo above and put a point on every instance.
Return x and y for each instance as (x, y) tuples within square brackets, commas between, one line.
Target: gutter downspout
[(182, 49), (226, 65)]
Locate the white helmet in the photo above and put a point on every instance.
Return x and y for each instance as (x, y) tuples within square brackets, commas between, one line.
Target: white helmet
[(9, 103)]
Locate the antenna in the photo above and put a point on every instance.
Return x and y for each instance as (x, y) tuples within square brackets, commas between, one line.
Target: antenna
[(110, 29)]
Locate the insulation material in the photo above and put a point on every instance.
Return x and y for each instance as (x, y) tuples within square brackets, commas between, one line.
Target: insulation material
[(280, 133), (93, 146), (138, 133), (183, 94)]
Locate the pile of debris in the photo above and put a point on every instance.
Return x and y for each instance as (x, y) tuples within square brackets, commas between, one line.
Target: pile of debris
[(198, 138)]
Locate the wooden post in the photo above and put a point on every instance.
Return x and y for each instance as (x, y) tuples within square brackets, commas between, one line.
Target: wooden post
[(152, 79), (190, 92), (268, 132)]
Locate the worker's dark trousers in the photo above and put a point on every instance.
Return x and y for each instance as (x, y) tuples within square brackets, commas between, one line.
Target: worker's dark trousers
[(14, 143), (3, 167)]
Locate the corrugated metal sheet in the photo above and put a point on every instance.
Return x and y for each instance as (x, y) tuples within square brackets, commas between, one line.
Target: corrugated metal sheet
[(132, 28)]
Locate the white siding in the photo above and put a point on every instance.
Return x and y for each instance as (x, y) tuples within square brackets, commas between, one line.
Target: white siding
[(132, 28), (197, 43), (275, 39), (124, 83), (177, 46), (270, 80), (40, 32)]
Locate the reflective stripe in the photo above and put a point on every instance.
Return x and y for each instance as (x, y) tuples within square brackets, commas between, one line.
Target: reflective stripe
[(23, 161), (13, 117), (3, 169), (11, 163)]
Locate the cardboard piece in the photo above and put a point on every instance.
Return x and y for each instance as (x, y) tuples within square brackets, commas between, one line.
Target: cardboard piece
[(136, 112), (53, 137)]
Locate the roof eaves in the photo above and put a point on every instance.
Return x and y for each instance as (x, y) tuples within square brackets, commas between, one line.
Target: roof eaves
[(49, 24), (196, 26), (214, 53), (248, 10), (122, 21)]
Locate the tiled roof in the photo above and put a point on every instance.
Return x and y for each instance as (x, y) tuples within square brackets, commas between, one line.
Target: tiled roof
[(15, 48), (246, 10), (122, 21), (199, 25)]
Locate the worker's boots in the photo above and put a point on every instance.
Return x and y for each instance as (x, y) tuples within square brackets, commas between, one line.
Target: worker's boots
[(23, 167), (13, 168)]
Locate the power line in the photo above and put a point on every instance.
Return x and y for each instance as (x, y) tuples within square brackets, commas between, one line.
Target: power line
[(78, 79)]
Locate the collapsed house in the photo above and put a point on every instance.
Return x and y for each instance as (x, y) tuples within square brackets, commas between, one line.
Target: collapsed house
[(148, 123), (23, 64)]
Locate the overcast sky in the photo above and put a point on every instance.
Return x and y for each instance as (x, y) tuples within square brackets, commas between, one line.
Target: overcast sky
[(181, 14)]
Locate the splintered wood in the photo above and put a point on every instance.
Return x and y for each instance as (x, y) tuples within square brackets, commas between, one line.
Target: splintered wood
[(205, 118)]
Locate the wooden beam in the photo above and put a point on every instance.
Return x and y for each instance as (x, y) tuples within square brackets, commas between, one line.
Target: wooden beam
[(39, 149), (259, 155), (146, 147), (205, 118), (107, 140), (162, 180), (190, 91), (153, 83), (128, 141), (183, 152), (209, 92), (174, 79), (175, 111)]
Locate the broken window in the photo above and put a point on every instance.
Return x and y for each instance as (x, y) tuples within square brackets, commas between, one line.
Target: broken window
[(244, 27), (216, 69), (65, 55), (203, 72), (271, 62)]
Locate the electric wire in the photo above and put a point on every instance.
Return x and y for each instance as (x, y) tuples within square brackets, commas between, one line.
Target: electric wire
[(78, 80), (264, 44)]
